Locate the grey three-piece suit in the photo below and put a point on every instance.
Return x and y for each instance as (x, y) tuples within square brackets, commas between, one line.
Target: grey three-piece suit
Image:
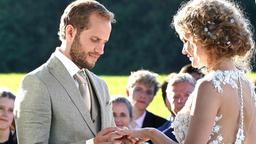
[(50, 109)]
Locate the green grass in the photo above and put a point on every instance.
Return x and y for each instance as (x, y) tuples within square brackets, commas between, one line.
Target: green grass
[(116, 85), (252, 75), (10, 81)]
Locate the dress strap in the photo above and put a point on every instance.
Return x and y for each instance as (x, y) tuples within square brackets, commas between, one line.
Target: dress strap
[(240, 133)]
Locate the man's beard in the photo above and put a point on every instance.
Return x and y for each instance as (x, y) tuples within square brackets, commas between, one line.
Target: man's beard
[(78, 56)]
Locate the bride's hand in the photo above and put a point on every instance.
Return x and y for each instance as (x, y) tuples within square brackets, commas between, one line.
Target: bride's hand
[(137, 136)]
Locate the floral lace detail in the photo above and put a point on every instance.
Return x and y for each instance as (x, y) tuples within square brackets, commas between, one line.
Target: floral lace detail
[(180, 126), (181, 122), (225, 77), (215, 131), (218, 79), (254, 98), (253, 93)]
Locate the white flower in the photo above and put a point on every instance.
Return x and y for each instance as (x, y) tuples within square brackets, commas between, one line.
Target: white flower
[(206, 29), (214, 142), (232, 20), (220, 138), (217, 118), (216, 129)]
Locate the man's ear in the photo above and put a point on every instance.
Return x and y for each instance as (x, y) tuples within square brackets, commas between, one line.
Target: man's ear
[(70, 33)]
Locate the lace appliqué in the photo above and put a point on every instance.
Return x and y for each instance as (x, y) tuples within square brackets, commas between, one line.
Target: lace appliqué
[(253, 93), (225, 77), (215, 132), (180, 126), (218, 79), (240, 136)]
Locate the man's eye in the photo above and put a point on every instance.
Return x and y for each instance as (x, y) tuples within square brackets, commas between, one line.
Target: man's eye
[(123, 115), (150, 92), (10, 110), (137, 89), (94, 39)]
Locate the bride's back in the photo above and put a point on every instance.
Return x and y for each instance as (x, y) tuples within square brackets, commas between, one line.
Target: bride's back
[(230, 110)]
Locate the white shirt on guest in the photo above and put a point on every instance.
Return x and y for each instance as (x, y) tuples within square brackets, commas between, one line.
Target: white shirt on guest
[(137, 124)]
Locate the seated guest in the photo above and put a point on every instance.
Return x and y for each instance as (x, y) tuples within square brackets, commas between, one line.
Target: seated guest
[(141, 88), (179, 87), (7, 126), (122, 111)]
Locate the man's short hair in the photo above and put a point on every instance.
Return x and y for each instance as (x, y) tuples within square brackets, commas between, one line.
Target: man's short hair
[(77, 14)]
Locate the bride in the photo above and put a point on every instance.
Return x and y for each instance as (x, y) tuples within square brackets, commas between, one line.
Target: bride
[(222, 109)]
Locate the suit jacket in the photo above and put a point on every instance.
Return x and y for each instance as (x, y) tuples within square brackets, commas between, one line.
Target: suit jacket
[(152, 120), (50, 109), (167, 130)]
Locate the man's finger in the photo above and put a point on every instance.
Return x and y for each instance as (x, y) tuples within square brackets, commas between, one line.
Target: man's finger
[(108, 130)]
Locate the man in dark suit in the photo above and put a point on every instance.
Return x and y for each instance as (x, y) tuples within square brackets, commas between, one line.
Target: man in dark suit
[(141, 89), (52, 106), (178, 87)]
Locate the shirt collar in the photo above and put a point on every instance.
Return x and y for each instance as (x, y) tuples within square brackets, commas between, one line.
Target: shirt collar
[(139, 121), (71, 67)]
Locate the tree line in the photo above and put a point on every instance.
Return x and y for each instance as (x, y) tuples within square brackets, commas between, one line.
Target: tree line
[(141, 38)]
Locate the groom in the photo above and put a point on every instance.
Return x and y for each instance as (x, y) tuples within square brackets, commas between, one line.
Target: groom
[(50, 107)]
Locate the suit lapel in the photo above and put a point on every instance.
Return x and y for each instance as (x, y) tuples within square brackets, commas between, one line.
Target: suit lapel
[(58, 70), (146, 119)]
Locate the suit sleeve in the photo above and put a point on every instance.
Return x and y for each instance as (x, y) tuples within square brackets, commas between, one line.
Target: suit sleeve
[(110, 105), (33, 112)]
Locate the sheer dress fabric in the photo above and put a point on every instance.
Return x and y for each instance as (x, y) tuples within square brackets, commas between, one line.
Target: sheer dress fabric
[(218, 79)]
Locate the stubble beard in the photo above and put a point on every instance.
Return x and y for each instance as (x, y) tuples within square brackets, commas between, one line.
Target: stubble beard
[(79, 57)]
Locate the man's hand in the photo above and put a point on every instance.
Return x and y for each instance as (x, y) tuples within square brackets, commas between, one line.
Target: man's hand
[(109, 136)]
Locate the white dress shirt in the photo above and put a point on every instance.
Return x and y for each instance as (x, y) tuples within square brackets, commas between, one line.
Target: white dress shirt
[(137, 124)]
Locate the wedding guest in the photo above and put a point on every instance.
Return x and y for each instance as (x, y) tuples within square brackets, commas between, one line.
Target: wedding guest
[(7, 125), (179, 88), (163, 90), (122, 111), (142, 86)]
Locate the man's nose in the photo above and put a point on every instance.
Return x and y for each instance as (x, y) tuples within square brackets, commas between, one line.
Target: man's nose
[(144, 94), (100, 48)]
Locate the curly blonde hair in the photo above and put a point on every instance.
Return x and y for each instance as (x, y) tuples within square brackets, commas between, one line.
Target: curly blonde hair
[(220, 27)]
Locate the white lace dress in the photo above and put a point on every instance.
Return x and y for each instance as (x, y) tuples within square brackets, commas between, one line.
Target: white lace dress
[(218, 79)]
